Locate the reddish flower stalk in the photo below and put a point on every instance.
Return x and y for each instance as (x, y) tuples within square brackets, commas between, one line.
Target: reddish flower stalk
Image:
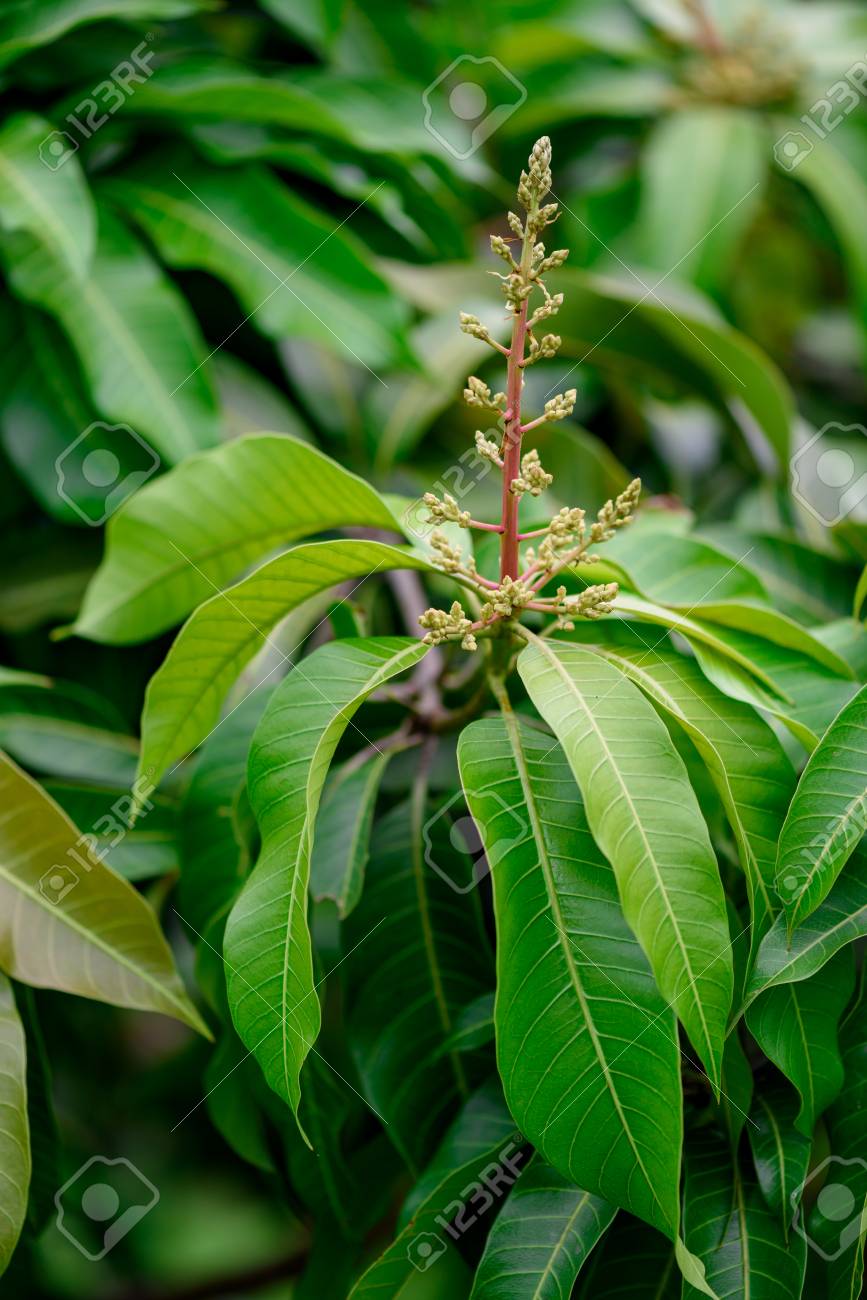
[(512, 445)]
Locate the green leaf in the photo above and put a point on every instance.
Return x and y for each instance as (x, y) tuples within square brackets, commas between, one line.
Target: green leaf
[(742, 754), (267, 944), (645, 817), (136, 852), (622, 326), (729, 1226), (184, 697), (372, 113), (343, 833), (697, 633), (785, 958), (839, 190), (586, 1047), (633, 1262), (828, 814), (262, 240), (214, 858), (806, 696), (780, 1152), (186, 535), (540, 1238), (808, 585), (702, 173), (416, 956), (69, 923), (474, 1026), (860, 594), (14, 1127), (137, 341), (482, 1143), (26, 26), (53, 207), (795, 1025), (769, 625), (845, 1170), (676, 569)]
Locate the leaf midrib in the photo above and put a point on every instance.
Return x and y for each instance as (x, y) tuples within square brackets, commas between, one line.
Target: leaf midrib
[(570, 685), (565, 944)]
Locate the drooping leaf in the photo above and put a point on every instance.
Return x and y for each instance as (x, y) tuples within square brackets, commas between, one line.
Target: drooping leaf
[(343, 833), (828, 814), (785, 958), (745, 760), (14, 1127), (53, 206), (415, 958), (702, 171), (262, 239), (587, 1049), (540, 1238), (645, 817), (781, 1154), (189, 533), (804, 695), (796, 1027), (67, 921), (184, 697), (267, 942), (214, 858), (729, 1226), (137, 341), (481, 1145)]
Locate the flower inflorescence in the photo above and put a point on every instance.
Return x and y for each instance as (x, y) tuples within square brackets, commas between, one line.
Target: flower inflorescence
[(566, 539)]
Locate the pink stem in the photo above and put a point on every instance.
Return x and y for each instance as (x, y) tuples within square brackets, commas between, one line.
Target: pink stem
[(512, 447), (488, 528)]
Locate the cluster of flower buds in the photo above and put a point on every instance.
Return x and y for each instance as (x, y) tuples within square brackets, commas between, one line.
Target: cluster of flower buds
[(568, 536), (590, 603), (511, 595), (547, 346), (533, 479), (487, 449), (445, 625), (473, 326), (615, 514), (559, 407), (445, 511), (478, 394), (448, 557)]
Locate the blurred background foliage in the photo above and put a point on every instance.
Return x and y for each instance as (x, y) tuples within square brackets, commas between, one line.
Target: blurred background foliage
[(258, 230)]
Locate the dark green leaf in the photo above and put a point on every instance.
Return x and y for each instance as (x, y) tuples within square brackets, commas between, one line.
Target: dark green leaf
[(540, 1238)]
